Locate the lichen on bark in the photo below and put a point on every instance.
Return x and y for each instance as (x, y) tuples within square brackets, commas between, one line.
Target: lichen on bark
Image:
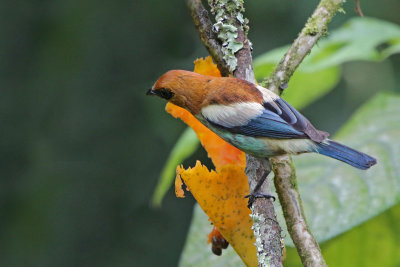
[(229, 20)]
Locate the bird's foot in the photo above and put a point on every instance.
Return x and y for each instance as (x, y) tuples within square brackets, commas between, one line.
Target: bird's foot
[(254, 195)]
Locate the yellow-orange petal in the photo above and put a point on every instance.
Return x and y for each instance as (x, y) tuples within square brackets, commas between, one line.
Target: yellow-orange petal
[(221, 196)]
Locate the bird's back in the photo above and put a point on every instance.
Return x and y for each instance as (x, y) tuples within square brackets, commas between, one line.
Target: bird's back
[(227, 91)]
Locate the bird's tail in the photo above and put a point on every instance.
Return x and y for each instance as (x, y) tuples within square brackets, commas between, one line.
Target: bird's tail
[(346, 154)]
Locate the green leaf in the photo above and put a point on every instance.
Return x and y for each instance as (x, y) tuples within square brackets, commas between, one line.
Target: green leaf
[(186, 145), (374, 243), (320, 71), (358, 39), (304, 87), (336, 196), (310, 84)]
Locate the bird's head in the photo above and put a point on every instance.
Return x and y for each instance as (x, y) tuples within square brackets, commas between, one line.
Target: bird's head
[(182, 88)]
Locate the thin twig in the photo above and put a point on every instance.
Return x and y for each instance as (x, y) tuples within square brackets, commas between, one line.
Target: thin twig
[(285, 175), (289, 197), (208, 37), (358, 9)]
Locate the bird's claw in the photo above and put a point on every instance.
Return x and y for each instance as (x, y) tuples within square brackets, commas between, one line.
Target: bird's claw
[(254, 195)]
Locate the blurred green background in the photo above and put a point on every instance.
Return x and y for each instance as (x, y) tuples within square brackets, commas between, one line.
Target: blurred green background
[(82, 147)]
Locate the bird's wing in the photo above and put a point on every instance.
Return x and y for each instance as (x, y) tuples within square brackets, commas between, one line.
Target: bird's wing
[(251, 119), (289, 114), (296, 120), (274, 118)]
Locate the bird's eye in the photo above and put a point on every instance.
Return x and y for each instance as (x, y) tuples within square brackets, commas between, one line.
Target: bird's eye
[(165, 93)]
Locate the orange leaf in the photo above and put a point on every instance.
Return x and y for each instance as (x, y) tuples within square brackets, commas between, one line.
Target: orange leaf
[(221, 196)]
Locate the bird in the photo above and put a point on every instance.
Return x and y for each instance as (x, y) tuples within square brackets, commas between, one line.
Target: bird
[(251, 117)]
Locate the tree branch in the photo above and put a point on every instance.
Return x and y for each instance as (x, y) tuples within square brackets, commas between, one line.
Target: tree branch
[(231, 28), (236, 53), (289, 197), (285, 175), (207, 36), (265, 225)]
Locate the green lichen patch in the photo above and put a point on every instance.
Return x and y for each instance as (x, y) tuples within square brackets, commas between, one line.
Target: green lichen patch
[(229, 17), (258, 221), (311, 27)]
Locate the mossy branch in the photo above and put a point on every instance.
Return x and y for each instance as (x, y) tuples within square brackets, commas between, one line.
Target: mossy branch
[(286, 186), (207, 35), (234, 34)]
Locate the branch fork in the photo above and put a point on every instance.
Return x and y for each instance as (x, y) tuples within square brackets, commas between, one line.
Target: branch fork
[(266, 229)]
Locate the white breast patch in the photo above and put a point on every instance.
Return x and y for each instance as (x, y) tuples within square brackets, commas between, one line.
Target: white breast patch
[(232, 115)]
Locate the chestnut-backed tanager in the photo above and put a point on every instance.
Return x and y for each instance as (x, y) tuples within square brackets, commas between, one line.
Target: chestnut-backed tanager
[(250, 117)]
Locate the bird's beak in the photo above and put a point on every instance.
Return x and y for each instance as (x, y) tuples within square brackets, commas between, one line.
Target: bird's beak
[(150, 92)]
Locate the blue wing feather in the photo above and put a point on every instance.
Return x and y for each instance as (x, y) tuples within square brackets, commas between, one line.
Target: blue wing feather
[(268, 124), (276, 119)]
